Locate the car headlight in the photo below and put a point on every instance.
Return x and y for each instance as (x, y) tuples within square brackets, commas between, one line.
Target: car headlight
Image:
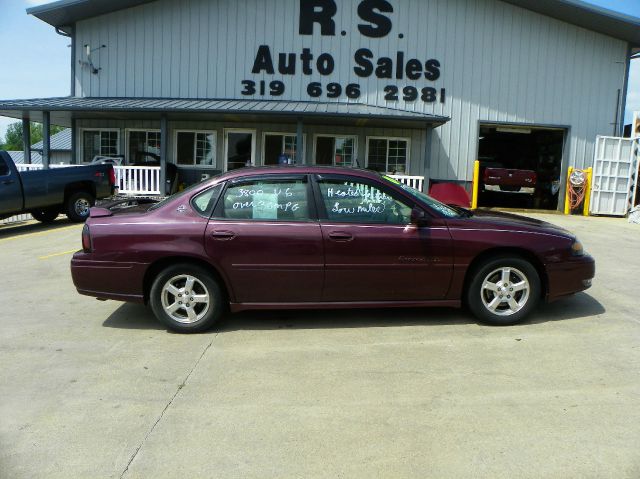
[(577, 249)]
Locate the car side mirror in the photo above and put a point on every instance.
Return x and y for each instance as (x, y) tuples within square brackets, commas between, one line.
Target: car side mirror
[(419, 217)]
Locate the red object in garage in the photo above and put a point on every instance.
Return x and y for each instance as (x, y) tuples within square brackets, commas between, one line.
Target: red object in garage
[(450, 194)]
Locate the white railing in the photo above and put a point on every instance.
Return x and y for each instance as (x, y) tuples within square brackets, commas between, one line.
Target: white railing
[(416, 182), (138, 180)]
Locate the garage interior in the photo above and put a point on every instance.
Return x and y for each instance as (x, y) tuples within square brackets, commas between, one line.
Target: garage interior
[(522, 148)]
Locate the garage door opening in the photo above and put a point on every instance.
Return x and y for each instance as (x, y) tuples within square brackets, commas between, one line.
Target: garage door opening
[(520, 167)]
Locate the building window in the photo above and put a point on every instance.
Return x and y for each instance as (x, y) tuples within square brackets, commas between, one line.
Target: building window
[(100, 143), (143, 147), (335, 150), (196, 148), (388, 155), (276, 145)]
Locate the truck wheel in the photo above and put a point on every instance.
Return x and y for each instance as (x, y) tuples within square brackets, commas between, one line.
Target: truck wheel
[(78, 206), (46, 215), (186, 298), (503, 291)]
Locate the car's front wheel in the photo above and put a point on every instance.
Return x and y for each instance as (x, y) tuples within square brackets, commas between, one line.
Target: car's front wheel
[(503, 290), (186, 298)]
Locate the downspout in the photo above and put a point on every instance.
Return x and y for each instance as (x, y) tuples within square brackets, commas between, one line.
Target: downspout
[(72, 35), (625, 88)]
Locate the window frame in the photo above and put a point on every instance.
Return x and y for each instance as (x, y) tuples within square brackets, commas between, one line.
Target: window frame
[(389, 139), (82, 132), (334, 136), (218, 211), (195, 146), (323, 215), (283, 134), (254, 136), (127, 131)]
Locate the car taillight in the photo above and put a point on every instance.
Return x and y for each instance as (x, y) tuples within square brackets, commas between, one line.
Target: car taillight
[(86, 239), (112, 176)]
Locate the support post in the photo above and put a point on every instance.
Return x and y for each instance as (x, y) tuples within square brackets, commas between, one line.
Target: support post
[(164, 148), (587, 195), (26, 140), (46, 139), (74, 145), (299, 159), (567, 203), (476, 185), (426, 172)]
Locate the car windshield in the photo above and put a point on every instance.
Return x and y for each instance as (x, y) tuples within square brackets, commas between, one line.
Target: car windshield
[(446, 210), (175, 196)]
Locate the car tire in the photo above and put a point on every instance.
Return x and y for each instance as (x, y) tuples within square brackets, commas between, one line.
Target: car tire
[(78, 205), (46, 215), (503, 290), (200, 311)]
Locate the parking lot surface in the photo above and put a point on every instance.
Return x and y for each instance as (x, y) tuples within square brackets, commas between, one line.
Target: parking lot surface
[(93, 389)]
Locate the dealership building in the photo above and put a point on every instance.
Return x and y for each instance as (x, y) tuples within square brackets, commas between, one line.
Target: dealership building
[(412, 87)]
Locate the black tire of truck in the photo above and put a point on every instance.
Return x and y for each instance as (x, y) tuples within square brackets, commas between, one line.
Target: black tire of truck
[(78, 205), (46, 215)]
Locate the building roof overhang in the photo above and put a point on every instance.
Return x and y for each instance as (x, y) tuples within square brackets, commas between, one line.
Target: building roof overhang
[(63, 110), (63, 14)]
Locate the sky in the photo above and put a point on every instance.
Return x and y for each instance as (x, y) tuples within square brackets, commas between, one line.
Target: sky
[(36, 60)]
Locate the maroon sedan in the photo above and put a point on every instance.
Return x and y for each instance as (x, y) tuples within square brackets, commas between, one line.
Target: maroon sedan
[(315, 237)]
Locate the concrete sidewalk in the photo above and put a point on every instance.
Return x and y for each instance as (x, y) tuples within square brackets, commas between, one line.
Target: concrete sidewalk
[(92, 390)]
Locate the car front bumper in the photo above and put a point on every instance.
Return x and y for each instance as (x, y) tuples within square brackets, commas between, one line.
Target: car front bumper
[(570, 277)]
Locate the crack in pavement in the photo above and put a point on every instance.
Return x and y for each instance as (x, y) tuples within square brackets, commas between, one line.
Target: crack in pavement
[(180, 386)]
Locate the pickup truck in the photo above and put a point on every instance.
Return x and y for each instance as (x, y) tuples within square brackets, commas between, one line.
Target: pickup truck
[(510, 180), (47, 193)]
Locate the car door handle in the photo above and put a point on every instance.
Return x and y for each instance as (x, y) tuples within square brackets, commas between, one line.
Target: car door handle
[(8, 182), (223, 235), (341, 236)]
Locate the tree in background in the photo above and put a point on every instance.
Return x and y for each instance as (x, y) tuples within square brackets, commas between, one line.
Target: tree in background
[(13, 137)]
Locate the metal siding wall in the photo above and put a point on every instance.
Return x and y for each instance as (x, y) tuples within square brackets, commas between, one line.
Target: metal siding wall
[(499, 63)]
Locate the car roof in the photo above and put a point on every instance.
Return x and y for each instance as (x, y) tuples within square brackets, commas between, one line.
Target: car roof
[(297, 170)]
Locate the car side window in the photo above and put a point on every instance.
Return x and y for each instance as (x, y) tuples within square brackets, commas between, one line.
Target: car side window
[(267, 200), (348, 201), (205, 201), (4, 168)]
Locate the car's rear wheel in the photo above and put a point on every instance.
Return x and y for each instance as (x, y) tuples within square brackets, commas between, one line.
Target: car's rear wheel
[(503, 290), (46, 215), (78, 206), (186, 298)]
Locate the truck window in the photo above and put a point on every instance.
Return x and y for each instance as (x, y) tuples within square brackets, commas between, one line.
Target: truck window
[(4, 168)]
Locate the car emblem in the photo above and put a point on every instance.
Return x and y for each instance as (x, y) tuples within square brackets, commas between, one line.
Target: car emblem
[(181, 209)]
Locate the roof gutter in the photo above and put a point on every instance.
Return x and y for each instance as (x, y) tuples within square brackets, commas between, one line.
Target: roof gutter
[(63, 33)]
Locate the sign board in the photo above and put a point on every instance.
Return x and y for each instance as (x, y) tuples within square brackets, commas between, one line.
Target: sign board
[(410, 74)]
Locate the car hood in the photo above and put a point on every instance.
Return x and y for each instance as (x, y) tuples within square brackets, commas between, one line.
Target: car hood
[(485, 219)]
